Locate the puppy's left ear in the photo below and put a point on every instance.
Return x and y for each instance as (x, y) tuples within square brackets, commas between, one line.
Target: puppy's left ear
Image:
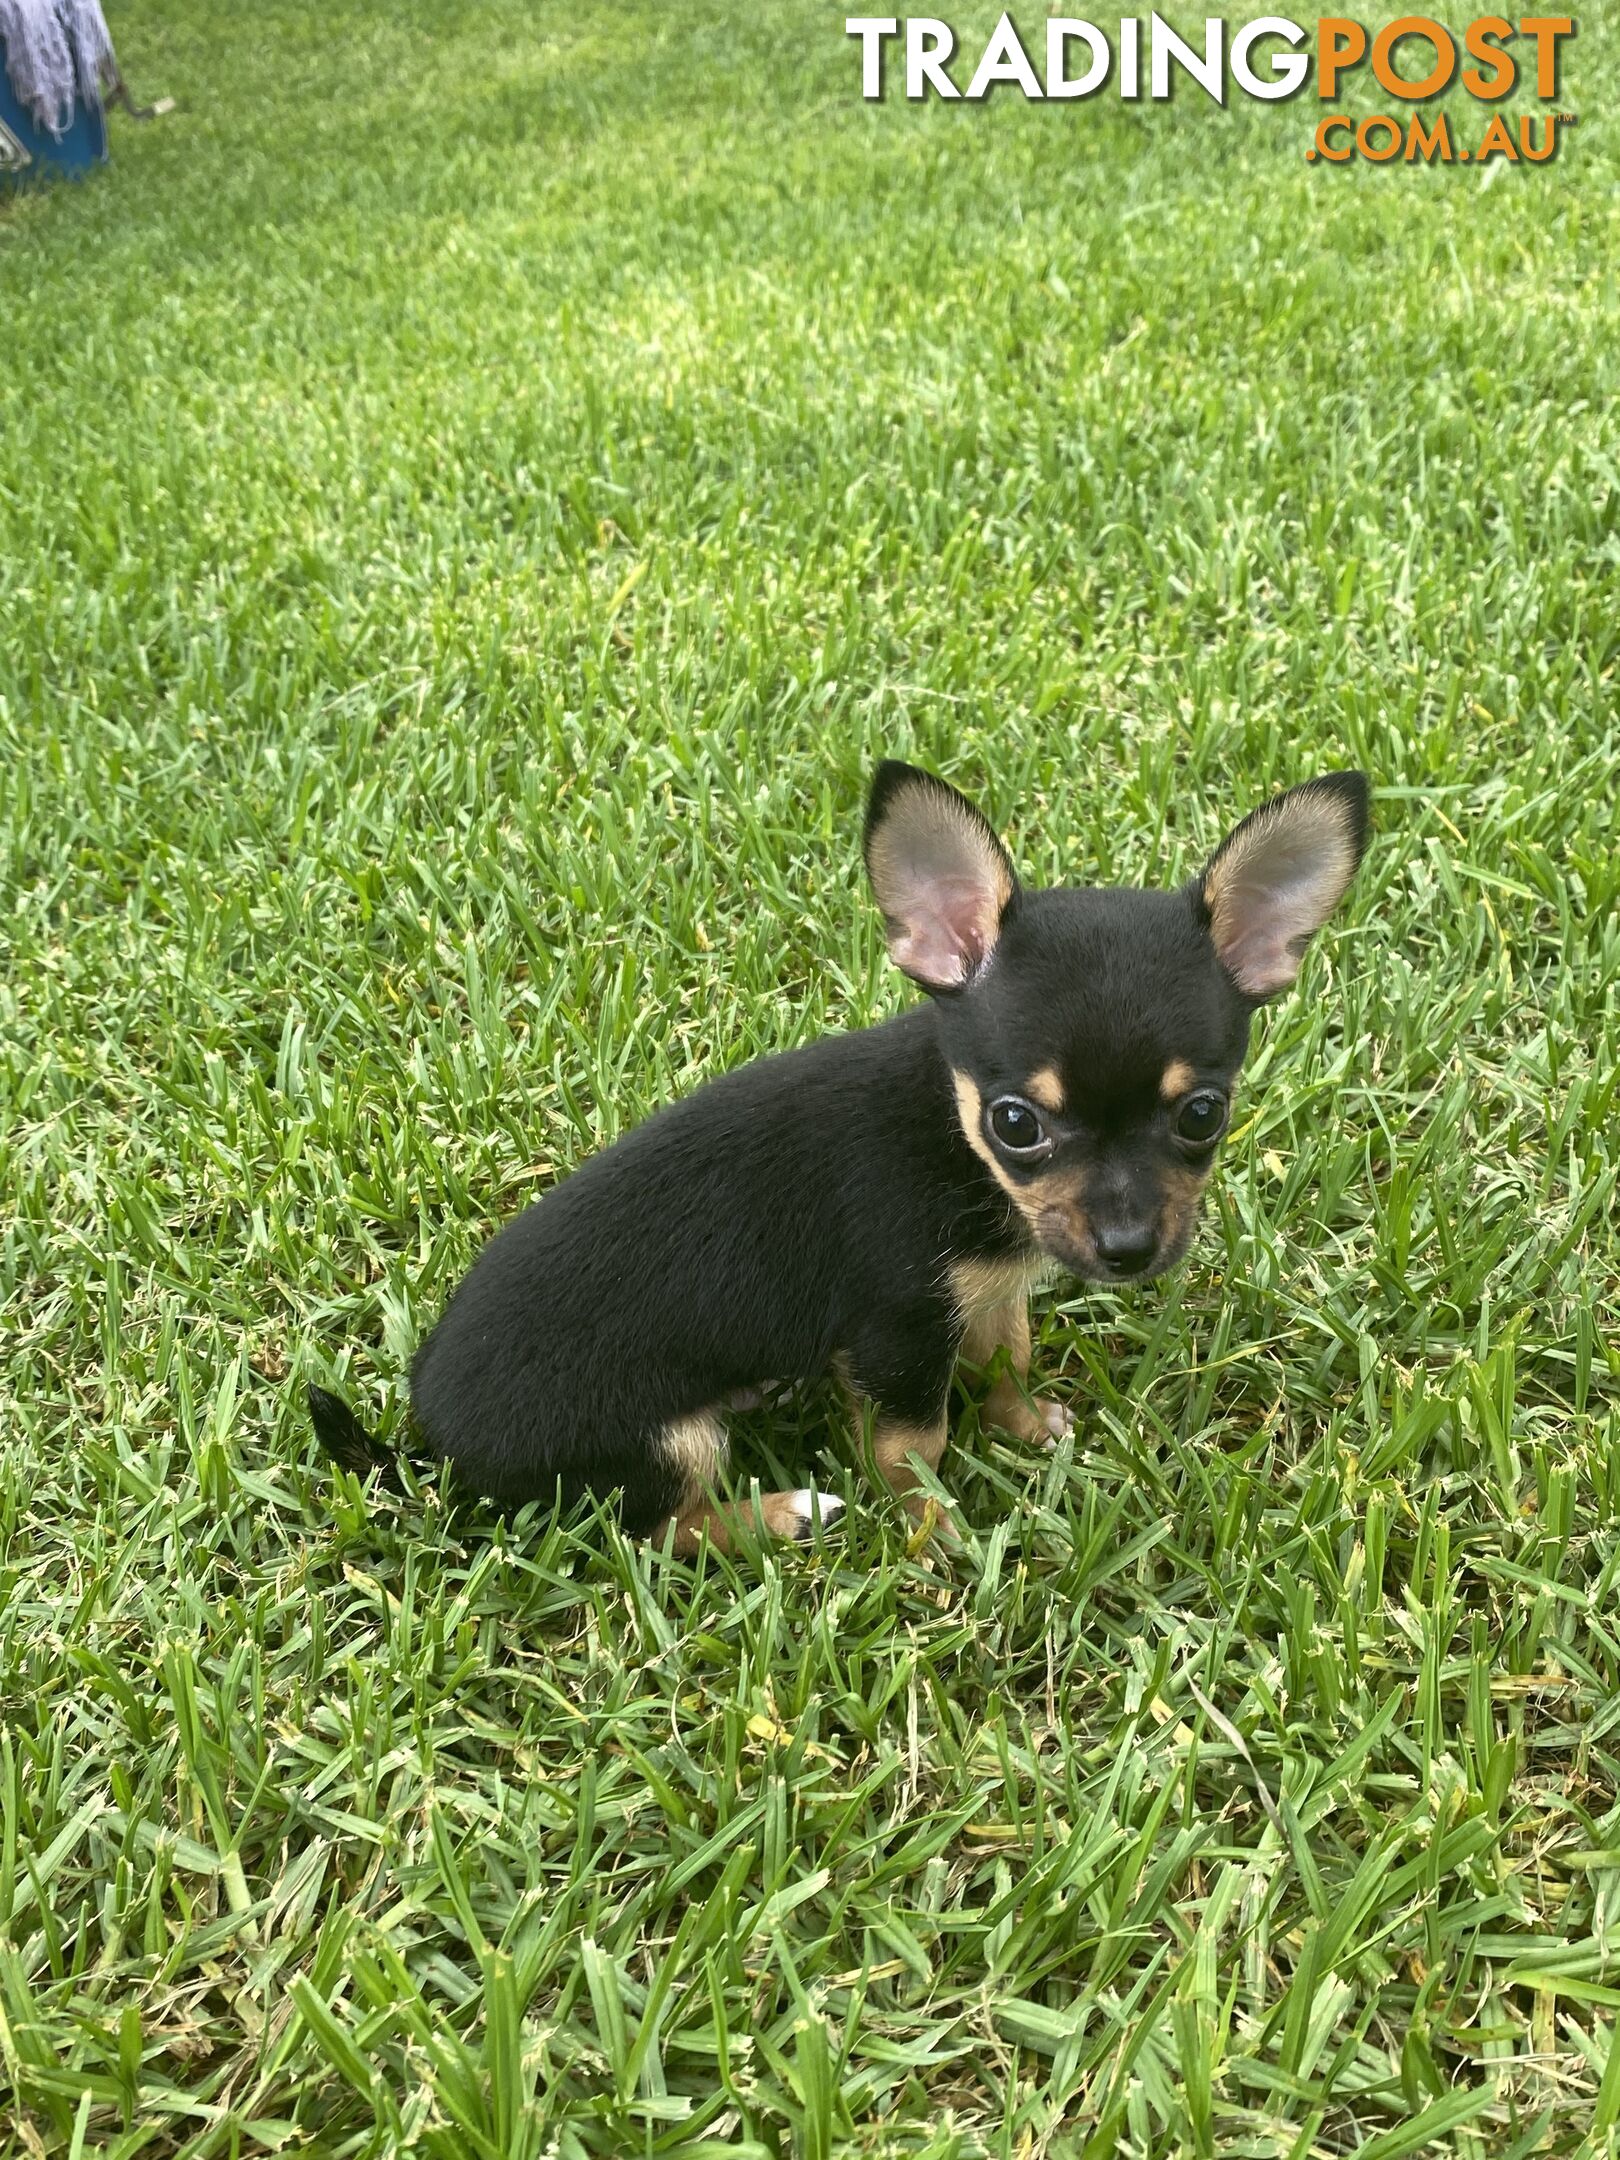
[(941, 877), (1275, 879)]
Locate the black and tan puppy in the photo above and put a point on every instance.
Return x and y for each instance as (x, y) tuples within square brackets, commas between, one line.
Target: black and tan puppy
[(879, 1203)]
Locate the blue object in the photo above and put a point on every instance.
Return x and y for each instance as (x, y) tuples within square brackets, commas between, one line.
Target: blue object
[(26, 149)]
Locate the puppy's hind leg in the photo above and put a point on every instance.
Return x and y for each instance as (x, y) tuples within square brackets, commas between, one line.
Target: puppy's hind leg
[(693, 1449)]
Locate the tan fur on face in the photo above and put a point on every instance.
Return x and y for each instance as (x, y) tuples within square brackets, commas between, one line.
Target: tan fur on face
[(1044, 1087), (1183, 1189), (970, 1110), (1068, 1230), (1176, 1080), (1053, 1206)]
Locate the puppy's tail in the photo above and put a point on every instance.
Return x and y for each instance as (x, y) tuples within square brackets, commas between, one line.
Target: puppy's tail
[(346, 1440)]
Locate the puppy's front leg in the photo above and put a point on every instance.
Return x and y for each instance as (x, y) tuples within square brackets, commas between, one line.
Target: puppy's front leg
[(995, 1317)]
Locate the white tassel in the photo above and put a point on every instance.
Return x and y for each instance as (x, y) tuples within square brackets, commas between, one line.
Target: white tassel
[(59, 56)]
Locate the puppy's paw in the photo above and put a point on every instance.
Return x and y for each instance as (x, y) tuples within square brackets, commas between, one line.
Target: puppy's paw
[(801, 1510), (1039, 1420), (1057, 1418), (769, 1395)]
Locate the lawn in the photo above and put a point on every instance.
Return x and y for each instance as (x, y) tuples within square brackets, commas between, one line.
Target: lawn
[(478, 489)]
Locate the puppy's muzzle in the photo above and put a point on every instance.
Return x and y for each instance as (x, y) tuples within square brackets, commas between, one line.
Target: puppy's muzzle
[(1129, 1250)]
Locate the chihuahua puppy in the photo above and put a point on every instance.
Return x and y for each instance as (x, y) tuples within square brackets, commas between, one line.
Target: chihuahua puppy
[(879, 1203)]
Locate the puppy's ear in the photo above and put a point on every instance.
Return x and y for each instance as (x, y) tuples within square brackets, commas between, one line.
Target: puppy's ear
[(941, 877), (1275, 879)]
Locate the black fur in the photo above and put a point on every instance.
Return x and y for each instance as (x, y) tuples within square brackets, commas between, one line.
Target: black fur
[(346, 1440), (794, 1208), (812, 1205)]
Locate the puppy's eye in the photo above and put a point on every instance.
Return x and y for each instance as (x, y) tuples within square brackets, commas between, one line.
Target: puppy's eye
[(1015, 1127), (1200, 1118)]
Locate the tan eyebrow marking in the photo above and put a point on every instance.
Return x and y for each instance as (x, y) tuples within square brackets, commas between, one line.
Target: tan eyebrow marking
[(1045, 1088), (1177, 1079)]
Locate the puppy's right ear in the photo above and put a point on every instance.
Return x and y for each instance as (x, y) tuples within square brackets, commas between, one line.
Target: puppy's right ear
[(941, 877)]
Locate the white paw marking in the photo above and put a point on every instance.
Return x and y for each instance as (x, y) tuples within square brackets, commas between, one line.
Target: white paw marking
[(1058, 1419), (808, 1504), (769, 1395)]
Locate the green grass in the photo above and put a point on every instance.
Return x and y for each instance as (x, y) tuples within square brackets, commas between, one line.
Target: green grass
[(474, 502)]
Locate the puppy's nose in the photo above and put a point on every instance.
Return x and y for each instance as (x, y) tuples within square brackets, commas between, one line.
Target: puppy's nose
[(1125, 1249)]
